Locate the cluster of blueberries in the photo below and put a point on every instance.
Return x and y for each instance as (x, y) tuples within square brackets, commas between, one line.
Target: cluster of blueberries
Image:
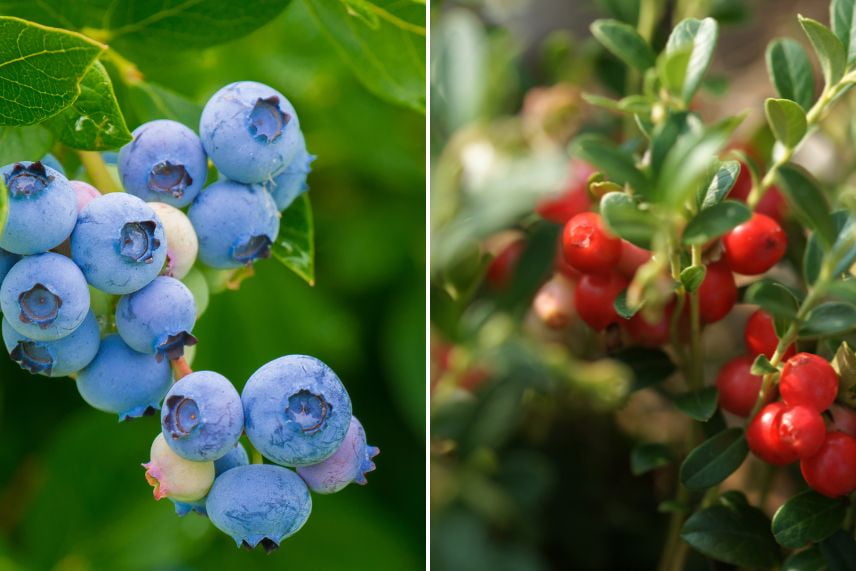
[(107, 289)]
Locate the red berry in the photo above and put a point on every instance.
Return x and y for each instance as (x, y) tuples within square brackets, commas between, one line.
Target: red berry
[(632, 256), (763, 438), (595, 296), (843, 419), (562, 266), (802, 430), (832, 471), (650, 334), (738, 387), (573, 199), (717, 293), (760, 336), (554, 302), (502, 267), (755, 246), (588, 246), (808, 380), (772, 204)]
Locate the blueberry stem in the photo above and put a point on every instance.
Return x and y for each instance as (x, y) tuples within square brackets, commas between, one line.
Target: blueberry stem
[(97, 171), (238, 276), (180, 368)]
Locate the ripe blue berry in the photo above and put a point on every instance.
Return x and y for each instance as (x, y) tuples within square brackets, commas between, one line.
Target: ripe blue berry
[(119, 243), (236, 224), (158, 318), (7, 260), (291, 182), (123, 381), (237, 456), (250, 131), (182, 245), (54, 358), (174, 477), (202, 417), (165, 162), (44, 297), (296, 410), (349, 463), (259, 503), (42, 208)]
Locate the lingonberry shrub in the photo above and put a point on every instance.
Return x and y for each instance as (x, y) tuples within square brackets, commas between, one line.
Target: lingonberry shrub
[(714, 307)]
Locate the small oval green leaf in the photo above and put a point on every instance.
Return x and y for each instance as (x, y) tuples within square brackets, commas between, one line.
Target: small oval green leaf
[(808, 517), (715, 221), (624, 42), (787, 121), (790, 71), (714, 459)]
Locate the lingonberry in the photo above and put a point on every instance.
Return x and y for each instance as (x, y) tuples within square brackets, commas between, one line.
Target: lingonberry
[(588, 246), (801, 429), (832, 470), (632, 256), (554, 302), (648, 334), (755, 246), (808, 380), (771, 204), (717, 293), (738, 387), (760, 336), (501, 268), (572, 200), (594, 298), (763, 437)]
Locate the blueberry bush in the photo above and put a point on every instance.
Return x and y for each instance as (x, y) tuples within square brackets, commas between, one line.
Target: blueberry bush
[(153, 155), (643, 309)]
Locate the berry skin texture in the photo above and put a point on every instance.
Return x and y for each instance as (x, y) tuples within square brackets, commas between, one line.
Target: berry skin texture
[(237, 456), (158, 319), (54, 358), (832, 471), (717, 293), (123, 381), (632, 258), (650, 334), (738, 387), (259, 504), (236, 224), (42, 208), (801, 429), (7, 260), (760, 336), (296, 410), (755, 246), (348, 464), (250, 131), (285, 187), (84, 193), (182, 245), (202, 417), (44, 297), (165, 162), (173, 477), (764, 438), (808, 380), (588, 246), (119, 243), (594, 298)]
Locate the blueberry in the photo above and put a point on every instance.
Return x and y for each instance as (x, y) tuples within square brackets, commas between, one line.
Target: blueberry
[(291, 182), (42, 208), (237, 456), (119, 243), (158, 318), (181, 241), (123, 381), (165, 162), (202, 417), (174, 477), (348, 464), (44, 297), (54, 358), (296, 410), (236, 224), (250, 131), (7, 260), (259, 503), (84, 193)]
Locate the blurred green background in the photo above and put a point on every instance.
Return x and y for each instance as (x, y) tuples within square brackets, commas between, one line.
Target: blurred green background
[(72, 492)]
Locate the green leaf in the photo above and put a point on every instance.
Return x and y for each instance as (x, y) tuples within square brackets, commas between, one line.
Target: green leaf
[(94, 121), (149, 101), (625, 219), (830, 318), (624, 42), (807, 517), (4, 204), (384, 43), (665, 136), (842, 15), (29, 143), (829, 49), (647, 457), (40, 69), (715, 221), (773, 297), (714, 459), (790, 71), (606, 156), (844, 363), (762, 366), (698, 405), (624, 310), (807, 202), (649, 366), (733, 532), (721, 183), (700, 37), (672, 69), (839, 551), (810, 559), (787, 121), (295, 245), (692, 276)]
